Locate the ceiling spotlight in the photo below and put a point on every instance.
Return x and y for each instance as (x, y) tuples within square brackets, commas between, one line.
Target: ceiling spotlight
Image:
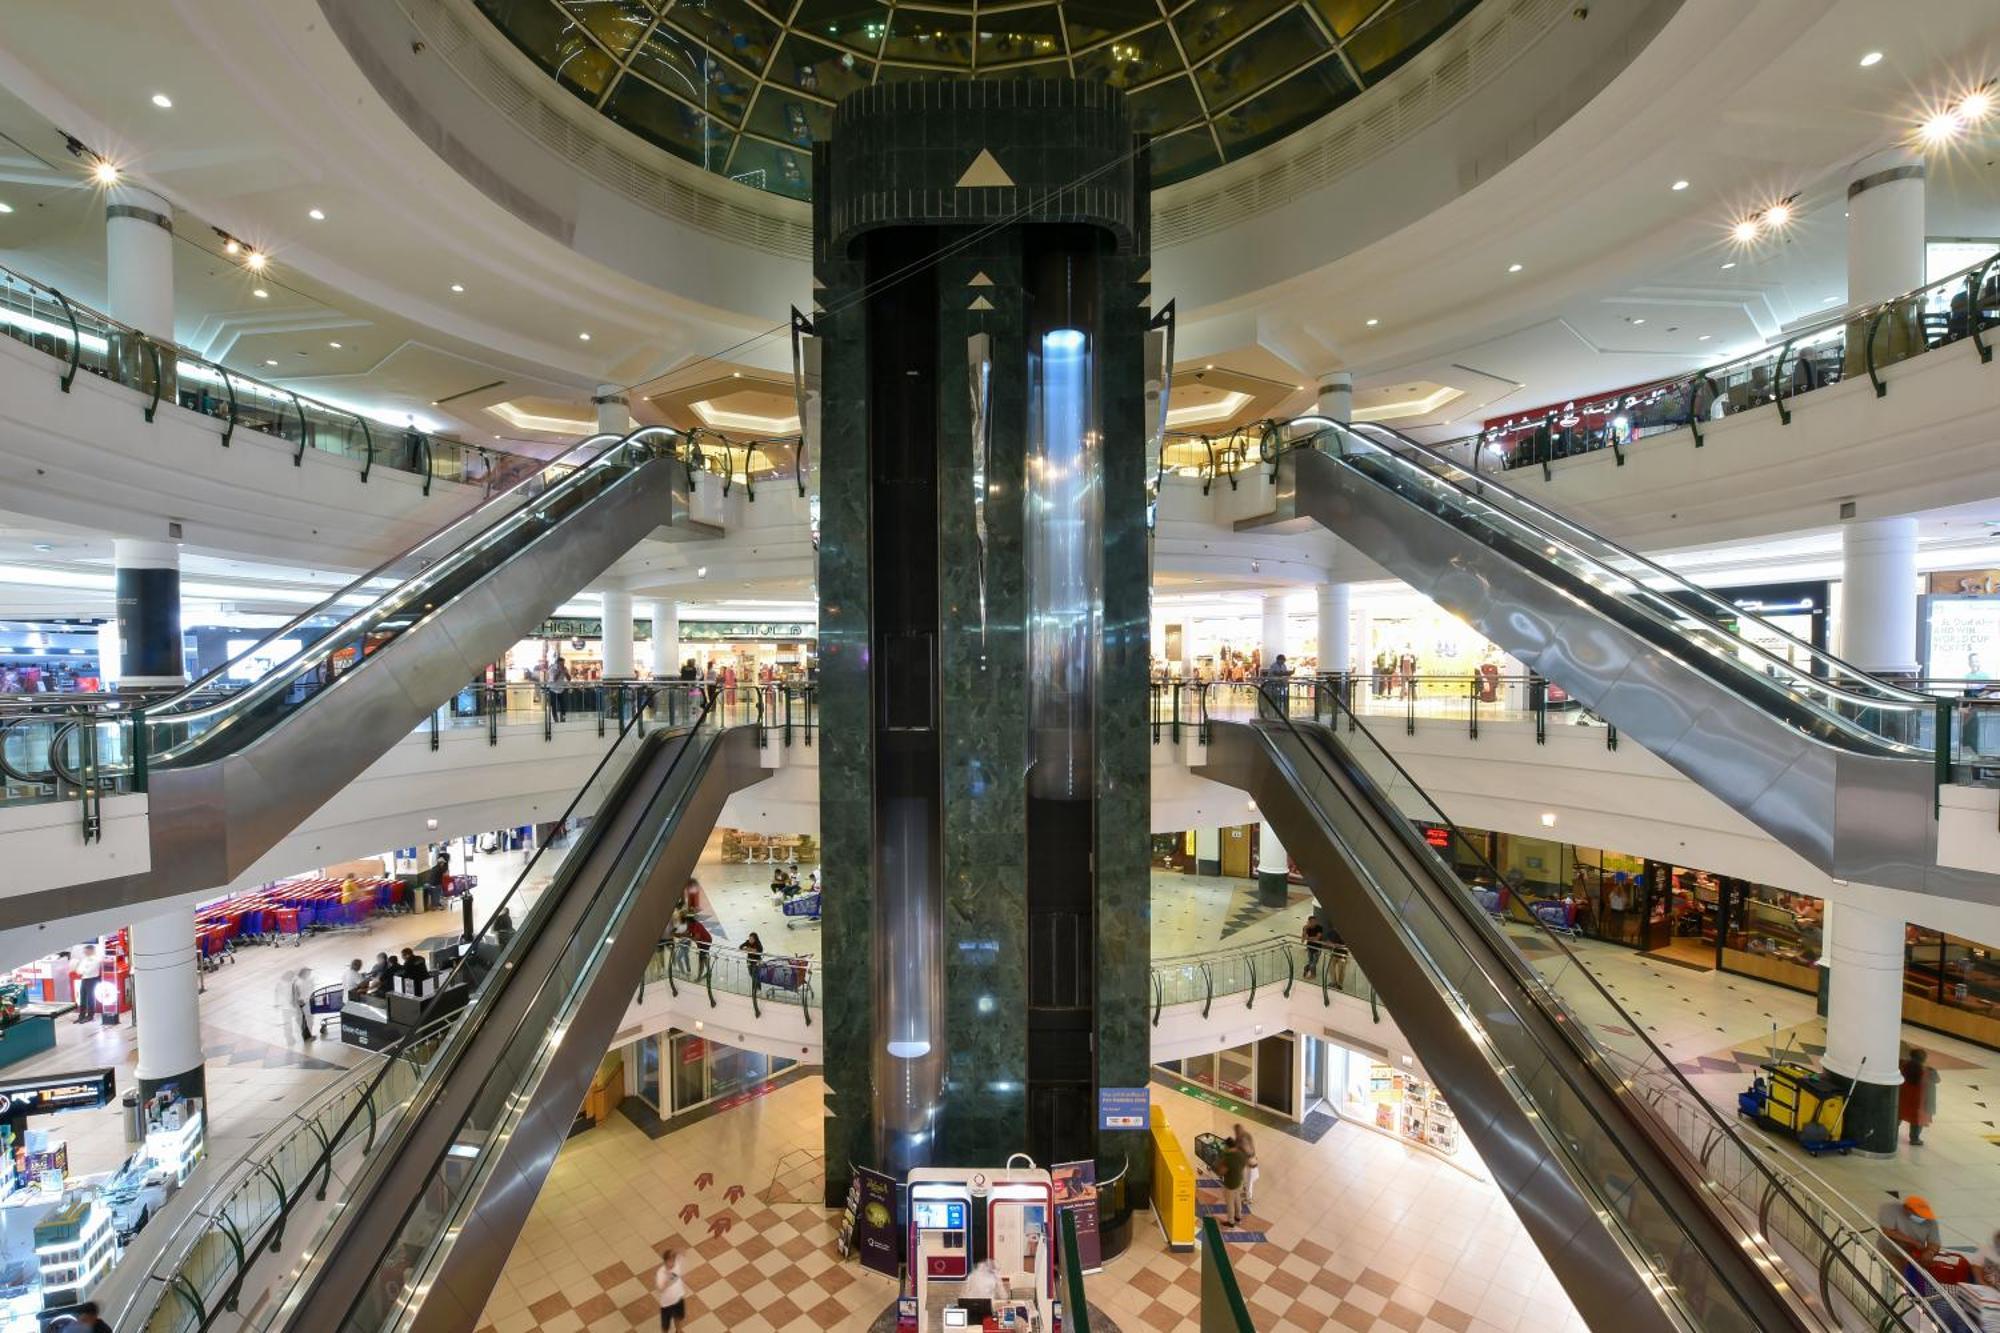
[(1702, 339), (255, 261), (1941, 128), (1976, 105), (335, 346), (1778, 214), (231, 246), (1680, 185), (1640, 320), (1373, 322), (105, 173), (1513, 268), (1745, 231), (316, 214), (1548, 819), (458, 286), (1730, 264), (162, 101), (583, 337), (270, 361), (1872, 58), (260, 294), (6, 208)]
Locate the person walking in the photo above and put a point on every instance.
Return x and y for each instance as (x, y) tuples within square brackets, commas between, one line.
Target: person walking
[(1916, 1102), (670, 1288), (89, 967), (558, 686), (1249, 1147), (301, 995), (1232, 1164), (1313, 934)]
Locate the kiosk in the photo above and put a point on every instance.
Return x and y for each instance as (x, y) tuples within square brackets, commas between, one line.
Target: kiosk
[(961, 1217)]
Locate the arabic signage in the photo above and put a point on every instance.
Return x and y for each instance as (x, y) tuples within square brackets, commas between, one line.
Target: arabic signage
[(876, 1234), (1076, 1194), (57, 1092)]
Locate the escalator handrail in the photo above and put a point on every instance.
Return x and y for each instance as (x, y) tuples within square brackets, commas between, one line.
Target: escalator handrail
[(1531, 981), (1863, 686), (360, 584), (453, 1051), (429, 1015), (290, 672)]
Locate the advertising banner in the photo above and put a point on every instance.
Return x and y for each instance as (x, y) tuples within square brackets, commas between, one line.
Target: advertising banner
[(1124, 1108), (1076, 1194), (877, 1236)]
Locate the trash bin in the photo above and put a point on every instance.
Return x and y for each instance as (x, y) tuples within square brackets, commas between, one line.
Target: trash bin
[(133, 1113)]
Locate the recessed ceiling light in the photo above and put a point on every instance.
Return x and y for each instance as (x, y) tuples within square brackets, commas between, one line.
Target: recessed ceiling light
[(1373, 322), (261, 294), (458, 286), (1940, 128), (1730, 264), (255, 261), (316, 214), (583, 337), (1829, 300), (1702, 339), (1640, 320), (44, 546), (6, 208), (1778, 214), (1872, 58), (105, 173), (335, 346), (1680, 185), (270, 361), (1513, 268), (1746, 230), (1976, 105), (162, 101)]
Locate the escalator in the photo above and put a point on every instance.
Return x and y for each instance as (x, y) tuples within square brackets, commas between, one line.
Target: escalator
[(1584, 1123), (1837, 765), (419, 1237), (234, 762)]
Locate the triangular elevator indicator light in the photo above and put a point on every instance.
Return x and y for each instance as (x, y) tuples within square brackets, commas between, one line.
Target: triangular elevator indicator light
[(984, 171), (980, 303), (980, 280)]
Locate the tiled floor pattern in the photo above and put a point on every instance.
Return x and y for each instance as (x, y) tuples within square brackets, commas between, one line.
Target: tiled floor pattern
[(1362, 1233), (1718, 1027)]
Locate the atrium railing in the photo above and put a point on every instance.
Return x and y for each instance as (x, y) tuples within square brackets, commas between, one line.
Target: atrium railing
[(1851, 1272), (81, 338), (771, 976), (1268, 967), (1856, 342)]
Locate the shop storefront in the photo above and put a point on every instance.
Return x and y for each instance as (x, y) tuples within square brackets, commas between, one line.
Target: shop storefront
[(675, 1071), (1798, 612), (1261, 1073), (50, 656), (1392, 1096)]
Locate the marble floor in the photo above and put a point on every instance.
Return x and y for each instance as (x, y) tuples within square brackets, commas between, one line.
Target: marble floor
[(1358, 1232)]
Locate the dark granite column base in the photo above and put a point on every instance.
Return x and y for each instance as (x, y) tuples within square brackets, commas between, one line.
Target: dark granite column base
[(1210, 868), (1274, 888), (188, 1083), (1871, 1119)]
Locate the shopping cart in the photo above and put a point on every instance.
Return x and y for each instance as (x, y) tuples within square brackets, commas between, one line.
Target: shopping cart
[(326, 1004), (1208, 1149), (802, 910), (1557, 914), (787, 975)]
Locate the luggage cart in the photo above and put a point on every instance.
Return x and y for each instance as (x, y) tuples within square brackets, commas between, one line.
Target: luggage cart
[(802, 910), (326, 1004)]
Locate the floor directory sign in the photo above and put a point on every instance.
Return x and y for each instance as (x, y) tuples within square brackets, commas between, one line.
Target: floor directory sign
[(1124, 1108), (1076, 1194)]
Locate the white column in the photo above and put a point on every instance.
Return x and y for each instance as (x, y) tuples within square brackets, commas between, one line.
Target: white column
[(665, 617), (1335, 652), (167, 1013), (1864, 1018), (1274, 628), (1208, 850), (1878, 594), (139, 260), (1273, 867), (147, 579), (1885, 225), (614, 415), (1336, 395), (617, 634)]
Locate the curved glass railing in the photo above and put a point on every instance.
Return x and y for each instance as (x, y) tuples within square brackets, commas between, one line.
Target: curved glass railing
[(1827, 698), (1242, 972), (1827, 1261), (83, 339)]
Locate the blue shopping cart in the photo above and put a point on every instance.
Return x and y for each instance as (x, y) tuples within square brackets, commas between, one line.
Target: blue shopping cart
[(802, 909)]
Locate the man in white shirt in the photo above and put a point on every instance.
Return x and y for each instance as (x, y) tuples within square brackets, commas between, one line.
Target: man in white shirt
[(88, 968)]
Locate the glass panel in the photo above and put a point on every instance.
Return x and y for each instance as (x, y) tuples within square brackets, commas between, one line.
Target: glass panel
[(1404, 28), (1206, 26), (1161, 110), (1013, 36), (1268, 117), (1092, 22), (1264, 55), (784, 115), (669, 122), (1128, 61), (616, 24), (674, 61), (1049, 69), (855, 24), (815, 68), (768, 167), (1344, 16), (924, 36), (1179, 156), (728, 27)]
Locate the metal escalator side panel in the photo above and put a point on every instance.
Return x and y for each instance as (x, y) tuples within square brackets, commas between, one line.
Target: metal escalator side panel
[(1508, 1100), (1773, 770)]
